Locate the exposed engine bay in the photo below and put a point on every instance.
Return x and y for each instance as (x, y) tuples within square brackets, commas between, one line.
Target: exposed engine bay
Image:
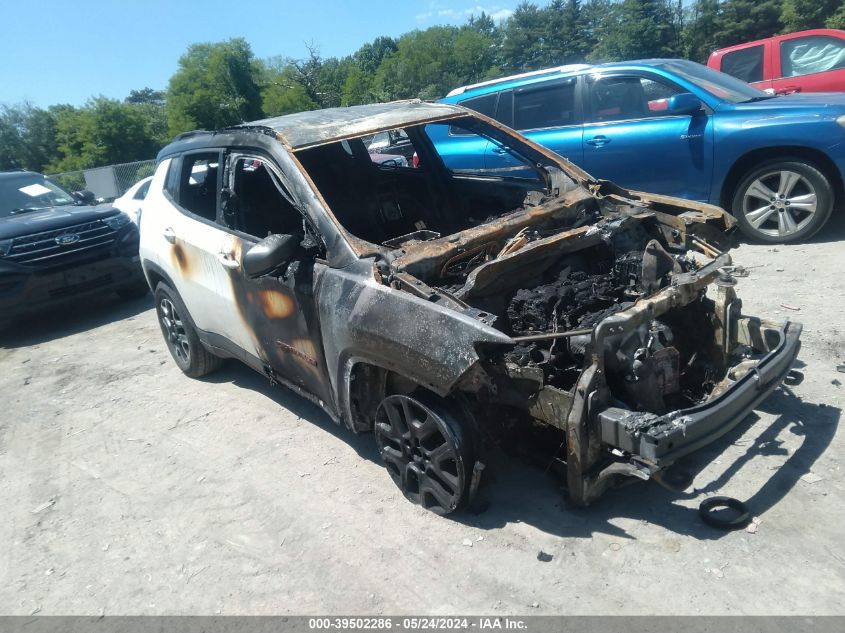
[(548, 293)]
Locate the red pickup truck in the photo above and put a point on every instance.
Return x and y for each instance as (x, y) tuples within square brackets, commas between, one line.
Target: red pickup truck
[(806, 61)]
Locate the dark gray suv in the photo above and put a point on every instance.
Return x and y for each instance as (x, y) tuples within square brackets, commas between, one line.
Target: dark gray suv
[(54, 247)]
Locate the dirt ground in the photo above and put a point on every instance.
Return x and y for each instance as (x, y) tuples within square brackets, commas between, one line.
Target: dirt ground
[(128, 488)]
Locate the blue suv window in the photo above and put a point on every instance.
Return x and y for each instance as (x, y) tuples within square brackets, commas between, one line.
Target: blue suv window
[(543, 107), (485, 104), (626, 98)]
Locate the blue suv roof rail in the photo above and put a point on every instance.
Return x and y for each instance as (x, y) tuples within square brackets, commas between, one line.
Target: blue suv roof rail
[(569, 68)]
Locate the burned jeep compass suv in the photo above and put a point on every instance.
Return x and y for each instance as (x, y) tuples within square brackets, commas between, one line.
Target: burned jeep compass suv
[(55, 247), (443, 308)]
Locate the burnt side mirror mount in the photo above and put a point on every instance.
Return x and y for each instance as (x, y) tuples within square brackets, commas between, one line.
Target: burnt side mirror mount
[(684, 103), (269, 254)]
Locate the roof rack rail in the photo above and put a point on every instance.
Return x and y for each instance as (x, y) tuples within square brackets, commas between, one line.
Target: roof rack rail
[(533, 73)]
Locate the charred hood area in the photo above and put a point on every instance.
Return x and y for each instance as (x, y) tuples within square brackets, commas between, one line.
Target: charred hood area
[(547, 275)]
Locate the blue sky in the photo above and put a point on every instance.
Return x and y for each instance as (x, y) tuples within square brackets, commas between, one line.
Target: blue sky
[(57, 51)]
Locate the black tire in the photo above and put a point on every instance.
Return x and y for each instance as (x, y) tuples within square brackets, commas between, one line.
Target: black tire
[(429, 449), (736, 522), (785, 215), (180, 335), (134, 291)]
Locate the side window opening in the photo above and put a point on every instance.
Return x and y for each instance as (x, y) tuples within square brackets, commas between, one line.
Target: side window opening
[(257, 202), (745, 64), (813, 54), (198, 184)]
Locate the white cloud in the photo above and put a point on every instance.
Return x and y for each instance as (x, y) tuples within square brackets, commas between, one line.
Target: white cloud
[(501, 14), (496, 12)]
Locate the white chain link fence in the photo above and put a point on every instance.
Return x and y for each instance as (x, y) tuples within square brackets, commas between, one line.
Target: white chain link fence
[(107, 182)]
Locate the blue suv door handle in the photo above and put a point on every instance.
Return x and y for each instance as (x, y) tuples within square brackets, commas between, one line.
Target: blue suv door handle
[(499, 150), (598, 141)]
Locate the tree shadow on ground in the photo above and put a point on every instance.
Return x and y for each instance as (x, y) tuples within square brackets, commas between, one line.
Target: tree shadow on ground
[(515, 491), (71, 318)]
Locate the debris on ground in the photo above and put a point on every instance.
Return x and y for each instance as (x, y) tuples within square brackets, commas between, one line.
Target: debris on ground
[(752, 527), (835, 383), (789, 306), (811, 478), (841, 368), (467, 542), (544, 557), (44, 506)]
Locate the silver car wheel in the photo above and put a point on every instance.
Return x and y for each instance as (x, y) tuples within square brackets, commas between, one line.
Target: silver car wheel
[(780, 203)]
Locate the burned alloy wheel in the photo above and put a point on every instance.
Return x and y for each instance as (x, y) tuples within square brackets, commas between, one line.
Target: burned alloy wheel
[(181, 335), (426, 451), (174, 331)]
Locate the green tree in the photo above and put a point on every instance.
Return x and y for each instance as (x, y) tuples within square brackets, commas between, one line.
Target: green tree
[(639, 29), (214, 87), (423, 66), (837, 20), (152, 106), (799, 15), (523, 39), (27, 137), (281, 92), (103, 132), (699, 36), (599, 18), (745, 20), (358, 88), (564, 33), (370, 56)]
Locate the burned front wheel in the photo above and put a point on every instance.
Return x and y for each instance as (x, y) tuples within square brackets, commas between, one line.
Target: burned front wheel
[(428, 450)]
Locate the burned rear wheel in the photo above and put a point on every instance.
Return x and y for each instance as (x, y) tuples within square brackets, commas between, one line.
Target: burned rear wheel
[(427, 448), (181, 337)]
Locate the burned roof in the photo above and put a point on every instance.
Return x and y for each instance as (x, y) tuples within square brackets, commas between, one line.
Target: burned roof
[(305, 129)]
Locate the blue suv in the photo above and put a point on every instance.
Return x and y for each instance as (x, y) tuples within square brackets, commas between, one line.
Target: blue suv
[(676, 128)]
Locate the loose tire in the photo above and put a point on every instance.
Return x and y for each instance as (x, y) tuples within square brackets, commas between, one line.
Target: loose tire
[(181, 336), (428, 449), (783, 200)]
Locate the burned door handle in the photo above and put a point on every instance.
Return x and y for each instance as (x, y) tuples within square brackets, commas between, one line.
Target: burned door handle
[(169, 235), (227, 261), (598, 141)]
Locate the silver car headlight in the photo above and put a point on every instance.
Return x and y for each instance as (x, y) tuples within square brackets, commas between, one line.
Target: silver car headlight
[(117, 221), (841, 120)]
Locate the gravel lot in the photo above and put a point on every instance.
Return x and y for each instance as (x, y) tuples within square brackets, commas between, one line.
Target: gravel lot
[(128, 488)]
